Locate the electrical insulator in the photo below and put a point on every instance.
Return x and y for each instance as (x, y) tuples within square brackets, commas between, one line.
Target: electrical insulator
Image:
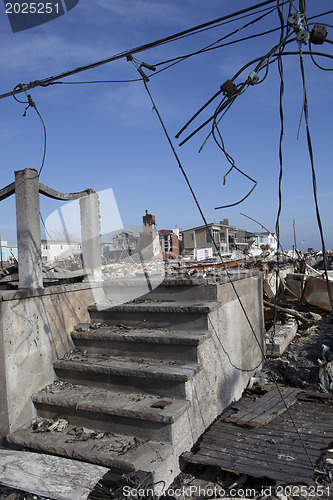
[(294, 20), (318, 35), (302, 35), (229, 88), (253, 78), (148, 66)]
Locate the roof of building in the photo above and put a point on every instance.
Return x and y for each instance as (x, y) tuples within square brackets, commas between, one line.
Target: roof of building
[(210, 224)]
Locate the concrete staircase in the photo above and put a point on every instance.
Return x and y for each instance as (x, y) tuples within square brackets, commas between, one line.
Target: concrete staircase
[(144, 381)]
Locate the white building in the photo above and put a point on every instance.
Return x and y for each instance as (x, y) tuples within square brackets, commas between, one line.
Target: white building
[(53, 250), (263, 240)]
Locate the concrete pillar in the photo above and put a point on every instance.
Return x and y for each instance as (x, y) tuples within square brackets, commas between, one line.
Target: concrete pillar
[(90, 232), (28, 229)]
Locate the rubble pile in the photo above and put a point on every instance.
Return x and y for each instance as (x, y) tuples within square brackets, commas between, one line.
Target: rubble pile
[(132, 269)]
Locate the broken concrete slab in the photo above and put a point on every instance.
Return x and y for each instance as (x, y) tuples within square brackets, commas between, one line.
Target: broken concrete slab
[(295, 283), (120, 453), (279, 337), (49, 476), (316, 293)]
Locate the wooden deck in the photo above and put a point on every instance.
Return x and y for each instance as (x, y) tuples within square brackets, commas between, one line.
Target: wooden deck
[(262, 438)]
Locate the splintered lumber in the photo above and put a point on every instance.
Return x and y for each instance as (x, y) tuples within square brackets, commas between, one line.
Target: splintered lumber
[(297, 315), (285, 449), (266, 408), (48, 476)]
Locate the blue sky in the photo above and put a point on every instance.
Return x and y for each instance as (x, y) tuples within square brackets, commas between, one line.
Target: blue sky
[(107, 136)]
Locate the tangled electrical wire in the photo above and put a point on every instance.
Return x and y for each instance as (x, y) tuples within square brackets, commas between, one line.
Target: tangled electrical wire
[(31, 104), (231, 91)]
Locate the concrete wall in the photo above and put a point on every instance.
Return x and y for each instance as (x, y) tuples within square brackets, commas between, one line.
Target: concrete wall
[(231, 355), (35, 329)]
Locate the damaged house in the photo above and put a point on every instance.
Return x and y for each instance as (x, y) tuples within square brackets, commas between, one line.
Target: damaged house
[(147, 377)]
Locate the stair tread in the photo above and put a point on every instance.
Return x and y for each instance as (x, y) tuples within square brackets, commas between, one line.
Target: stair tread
[(149, 335), (132, 405), (157, 306), (118, 365), (107, 449)]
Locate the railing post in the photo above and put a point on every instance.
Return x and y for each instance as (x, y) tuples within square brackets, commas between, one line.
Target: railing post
[(28, 229), (90, 232)]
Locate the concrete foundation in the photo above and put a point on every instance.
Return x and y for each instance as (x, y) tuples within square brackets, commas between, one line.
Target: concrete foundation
[(35, 330), (127, 365)]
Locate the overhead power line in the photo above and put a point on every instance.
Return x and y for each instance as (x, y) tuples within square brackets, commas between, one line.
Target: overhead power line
[(141, 48)]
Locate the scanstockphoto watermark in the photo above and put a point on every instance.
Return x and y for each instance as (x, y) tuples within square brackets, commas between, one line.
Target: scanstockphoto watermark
[(24, 15), (189, 491), (217, 492)]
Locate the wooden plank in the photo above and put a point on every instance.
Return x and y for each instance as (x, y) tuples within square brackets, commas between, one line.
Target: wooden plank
[(293, 457), (277, 444), (280, 474), (274, 450), (316, 443), (266, 408), (305, 395), (305, 416), (279, 428), (305, 421), (48, 476)]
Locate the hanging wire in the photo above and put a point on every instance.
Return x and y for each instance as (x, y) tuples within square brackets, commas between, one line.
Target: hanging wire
[(233, 166), (226, 269), (261, 62), (141, 48), (213, 46), (46, 231), (263, 227), (312, 57), (313, 170), (285, 53), (91, 82), (31, 104)]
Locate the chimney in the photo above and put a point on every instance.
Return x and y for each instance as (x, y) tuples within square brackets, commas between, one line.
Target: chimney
[(148, 219)]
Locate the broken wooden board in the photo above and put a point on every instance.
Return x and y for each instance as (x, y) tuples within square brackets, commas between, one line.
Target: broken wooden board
[(286, 449), (264, 409), (61, 274), (49, 476)]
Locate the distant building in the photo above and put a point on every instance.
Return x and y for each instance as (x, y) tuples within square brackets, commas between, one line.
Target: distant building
[(53, 250), (226, 238), (8, 252), (169, 242), (263, 242), (149, 242), (122, 245)]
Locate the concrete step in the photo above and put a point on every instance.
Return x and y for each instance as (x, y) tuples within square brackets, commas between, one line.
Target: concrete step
[(177, 289), (142, 415), (168, 378), (139, 342), (122, 454), (179, 316)]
